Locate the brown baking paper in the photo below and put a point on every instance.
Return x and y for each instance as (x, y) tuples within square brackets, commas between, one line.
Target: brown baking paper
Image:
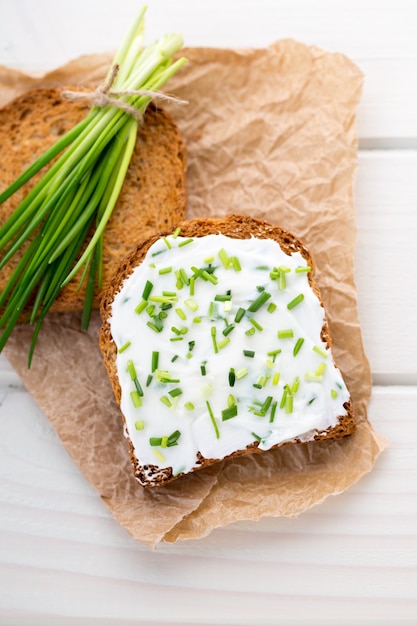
[(270, 133)]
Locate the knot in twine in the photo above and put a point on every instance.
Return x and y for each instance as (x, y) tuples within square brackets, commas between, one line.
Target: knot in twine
[(104, 96)]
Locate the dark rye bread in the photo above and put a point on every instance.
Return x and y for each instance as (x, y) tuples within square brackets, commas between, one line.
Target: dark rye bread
[(234, 226), (153, 197)]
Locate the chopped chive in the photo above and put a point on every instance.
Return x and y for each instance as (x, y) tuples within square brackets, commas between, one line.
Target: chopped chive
[(284, 397), (228, 329), (206, 390), (271, 307), (185, 242), (175, 392), (124, 347), (276, 378), (312, 400), (232, 377), (260, 287), (241, 373), (249, 353), (295, 301), (164, 441), (163, 376), (166, 242), (163, 299), (203, 368), (165, 270), (131, 369), (231, 400), (159, 456), (298, 345), (197, 320), (174, 358), (210, 277), (158, 252), (239, 314), (147, 290), (189, 406), (255, 323), (184, 277), (136, 399), (289, 401), (333, 393), (138, 386), (285, 334), (223, 298), (151, 310), (266, 405), (320, 352), (250, 332), (223, 343), (155, 441), (176, 232), (139, 425), (227, 306), (155, 327), (176, 338), (191, 304), (236, 263), (295, 385), (181, 314), (175, 330), (173, 438), (224, 258), (155, 360), (262, 267), (269, 364), (165, 400), (230, 412), (213, 419), (192, 285), (212, 312), (259, 302), (213, 339), (257, 437), (141, 306), (208, 259), (149, 380), (312, 377), (273, 409), (274, 353), (302, 268), (320, 370), (257, 385), (191, 345)]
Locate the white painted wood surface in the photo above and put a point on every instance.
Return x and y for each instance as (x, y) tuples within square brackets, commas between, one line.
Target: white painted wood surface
[(351, 560)]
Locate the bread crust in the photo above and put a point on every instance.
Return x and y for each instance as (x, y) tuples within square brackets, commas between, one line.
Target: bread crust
[(153, 197), (234, 226)]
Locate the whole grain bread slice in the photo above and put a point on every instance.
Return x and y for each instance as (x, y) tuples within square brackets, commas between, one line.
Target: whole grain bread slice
[(234, 226), (153, 197)]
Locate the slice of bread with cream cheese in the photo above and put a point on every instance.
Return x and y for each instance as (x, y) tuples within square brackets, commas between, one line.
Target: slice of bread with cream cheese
[(216, 343)]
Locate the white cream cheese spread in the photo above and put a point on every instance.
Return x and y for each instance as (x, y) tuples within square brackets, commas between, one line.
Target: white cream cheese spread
[(219, 346)]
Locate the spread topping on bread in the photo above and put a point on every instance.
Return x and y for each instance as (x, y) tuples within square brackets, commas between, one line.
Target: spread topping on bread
[(219, 349)]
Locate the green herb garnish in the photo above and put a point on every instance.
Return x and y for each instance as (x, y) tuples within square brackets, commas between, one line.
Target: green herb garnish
[(213, 419), (295, 301), (259, 302), (73, 201), (230, 412)]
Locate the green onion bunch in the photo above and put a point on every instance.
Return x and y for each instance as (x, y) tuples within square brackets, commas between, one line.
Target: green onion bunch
[(74, 199)]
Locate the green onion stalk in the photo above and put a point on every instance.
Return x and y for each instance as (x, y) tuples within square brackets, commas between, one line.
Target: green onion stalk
[(58, 227)]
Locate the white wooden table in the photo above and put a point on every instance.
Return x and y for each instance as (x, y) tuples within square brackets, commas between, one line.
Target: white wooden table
[(353, 559)]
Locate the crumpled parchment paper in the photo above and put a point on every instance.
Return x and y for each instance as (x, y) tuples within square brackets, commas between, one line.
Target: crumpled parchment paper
[(269, 133)]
